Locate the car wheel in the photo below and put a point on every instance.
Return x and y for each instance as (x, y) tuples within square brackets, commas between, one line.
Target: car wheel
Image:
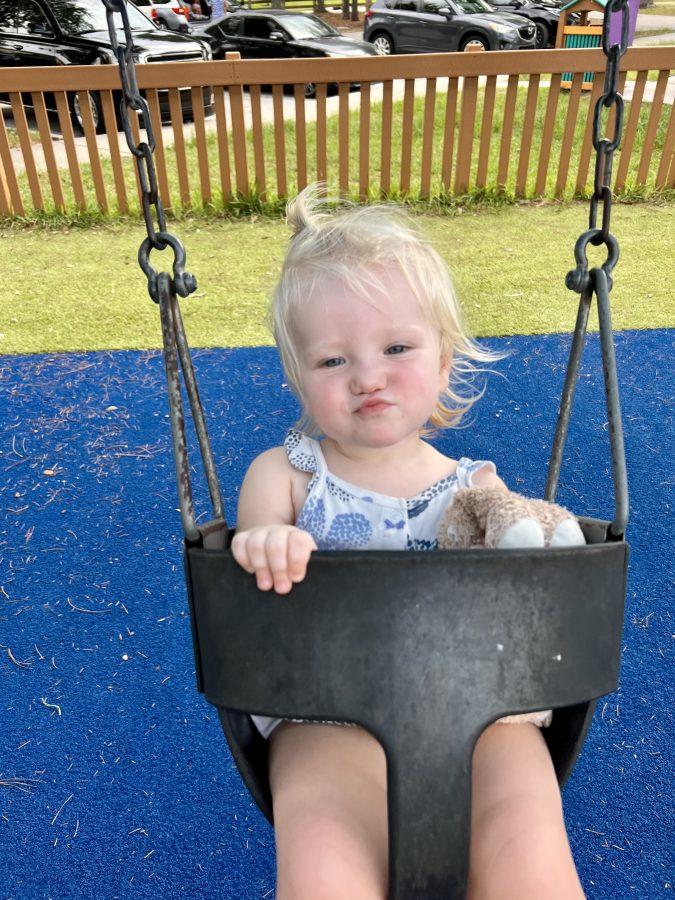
[(96, 112), (540, 35), (382, 44), (474, 43), (310, 90)]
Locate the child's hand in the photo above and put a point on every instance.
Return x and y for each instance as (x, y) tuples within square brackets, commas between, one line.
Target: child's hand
[(277, 554)]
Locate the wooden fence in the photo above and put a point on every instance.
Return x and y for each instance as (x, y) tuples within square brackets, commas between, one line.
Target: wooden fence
[(495, 120)]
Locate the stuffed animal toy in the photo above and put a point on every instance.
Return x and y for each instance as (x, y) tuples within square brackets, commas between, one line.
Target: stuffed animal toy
[(492, 517)]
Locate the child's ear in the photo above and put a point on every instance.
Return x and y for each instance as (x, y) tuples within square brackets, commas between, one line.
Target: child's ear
[(444, 371)]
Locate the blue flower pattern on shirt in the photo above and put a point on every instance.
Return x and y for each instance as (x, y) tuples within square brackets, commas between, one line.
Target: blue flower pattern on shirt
[(312, 518), (347, 531), (342, 516)]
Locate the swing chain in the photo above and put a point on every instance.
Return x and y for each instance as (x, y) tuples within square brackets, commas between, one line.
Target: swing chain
[(579, 279), (158, 237)]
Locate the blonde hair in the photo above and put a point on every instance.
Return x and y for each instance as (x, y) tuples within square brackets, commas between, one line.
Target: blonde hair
[(347, 246)]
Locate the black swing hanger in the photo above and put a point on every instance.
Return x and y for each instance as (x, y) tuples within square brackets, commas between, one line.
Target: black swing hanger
[(424, 650)]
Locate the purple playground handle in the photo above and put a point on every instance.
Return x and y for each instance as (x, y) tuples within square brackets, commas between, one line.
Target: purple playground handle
[(615, 24)]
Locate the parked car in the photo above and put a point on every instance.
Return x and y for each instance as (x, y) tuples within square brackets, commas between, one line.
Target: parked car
[(169, 14), (438, 26), (543, 14), (75, 33), (280, 34)]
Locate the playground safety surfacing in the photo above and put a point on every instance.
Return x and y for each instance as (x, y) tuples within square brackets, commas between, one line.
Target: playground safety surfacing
[(115, 780)]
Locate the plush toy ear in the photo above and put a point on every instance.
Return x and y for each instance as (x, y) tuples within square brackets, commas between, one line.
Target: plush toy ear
[(526, 532), (512, 522), (567, 534)]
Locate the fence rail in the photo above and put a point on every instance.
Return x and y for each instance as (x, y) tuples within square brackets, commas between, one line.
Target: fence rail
[(419, 125)]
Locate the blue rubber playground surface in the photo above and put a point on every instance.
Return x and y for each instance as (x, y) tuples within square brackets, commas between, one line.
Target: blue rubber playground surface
[(115, 780)]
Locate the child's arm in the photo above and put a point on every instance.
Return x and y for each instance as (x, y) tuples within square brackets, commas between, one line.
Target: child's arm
[(267, 542), (486, 478)]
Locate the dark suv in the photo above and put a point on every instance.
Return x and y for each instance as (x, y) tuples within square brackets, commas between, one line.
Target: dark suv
[(75, 33), (544, 15), (441, 26)]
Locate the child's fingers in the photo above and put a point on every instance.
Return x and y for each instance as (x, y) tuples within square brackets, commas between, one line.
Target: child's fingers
[(240, 551), (300, 546), (257, 553), (277, 556), (276, 546)]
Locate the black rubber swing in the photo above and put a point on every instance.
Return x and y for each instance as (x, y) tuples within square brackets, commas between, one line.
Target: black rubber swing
[(424, 650)]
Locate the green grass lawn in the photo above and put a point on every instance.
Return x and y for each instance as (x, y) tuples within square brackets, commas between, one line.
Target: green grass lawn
[(660, 9), (654, 32), (81, 289), (13, 137)]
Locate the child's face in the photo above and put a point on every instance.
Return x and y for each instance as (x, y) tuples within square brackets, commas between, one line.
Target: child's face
[(371, 370)]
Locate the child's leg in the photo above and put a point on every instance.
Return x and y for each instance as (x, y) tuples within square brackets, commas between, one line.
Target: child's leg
[(330, 812), (519, 846)]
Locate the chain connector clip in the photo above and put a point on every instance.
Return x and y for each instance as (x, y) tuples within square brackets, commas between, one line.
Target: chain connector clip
[(184, 283), (579, 279)]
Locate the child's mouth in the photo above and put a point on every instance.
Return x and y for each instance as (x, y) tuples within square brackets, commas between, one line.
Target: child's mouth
[(372, 407)]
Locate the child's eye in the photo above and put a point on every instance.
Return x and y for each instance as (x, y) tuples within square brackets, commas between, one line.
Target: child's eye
[(397, 348), (331, 363)]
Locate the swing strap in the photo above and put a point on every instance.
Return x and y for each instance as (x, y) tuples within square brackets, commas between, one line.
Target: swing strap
[(598, 285), (175, 349), (165, 289), (598, 282)]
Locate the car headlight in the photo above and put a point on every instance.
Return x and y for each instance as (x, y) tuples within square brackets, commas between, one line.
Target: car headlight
[(207, 53), (504, 29)]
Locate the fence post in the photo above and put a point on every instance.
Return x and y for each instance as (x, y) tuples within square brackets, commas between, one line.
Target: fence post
[(238, 125), (5, 201)]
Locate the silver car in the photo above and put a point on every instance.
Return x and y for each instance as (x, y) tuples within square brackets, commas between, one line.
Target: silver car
[(170, 14)]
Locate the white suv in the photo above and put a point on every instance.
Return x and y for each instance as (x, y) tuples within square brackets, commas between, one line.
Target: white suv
[(170, 14)]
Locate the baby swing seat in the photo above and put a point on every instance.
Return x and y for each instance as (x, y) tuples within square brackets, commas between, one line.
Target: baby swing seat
[(423, 650)]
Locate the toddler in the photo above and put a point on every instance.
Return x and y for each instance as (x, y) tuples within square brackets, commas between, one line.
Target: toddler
[(373, 345)]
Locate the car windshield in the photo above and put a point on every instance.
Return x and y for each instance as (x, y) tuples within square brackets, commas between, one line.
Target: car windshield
[(81, 16), (307, 27), (472, 6)]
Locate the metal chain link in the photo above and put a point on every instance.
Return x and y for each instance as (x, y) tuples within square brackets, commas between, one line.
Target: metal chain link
[(579, 279), (598, 283), (159, 238)]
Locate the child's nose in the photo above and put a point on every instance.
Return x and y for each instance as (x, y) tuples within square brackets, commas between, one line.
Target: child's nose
[(368, 378)]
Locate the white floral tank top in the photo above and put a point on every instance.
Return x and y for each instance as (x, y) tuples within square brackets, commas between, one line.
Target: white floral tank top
[(342, 516)]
